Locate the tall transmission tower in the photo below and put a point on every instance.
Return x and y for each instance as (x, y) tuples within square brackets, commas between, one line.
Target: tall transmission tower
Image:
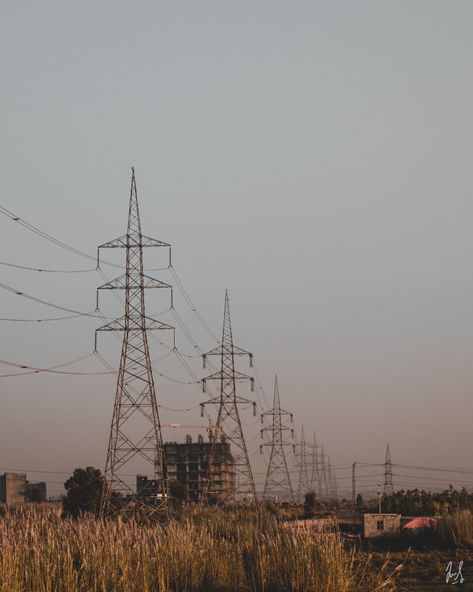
[(315, 469), (388, 474), (278, 481), (228, 424), (135, 433), (303, 485)]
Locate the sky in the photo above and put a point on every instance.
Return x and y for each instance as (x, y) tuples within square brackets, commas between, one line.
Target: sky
[(313, 158)]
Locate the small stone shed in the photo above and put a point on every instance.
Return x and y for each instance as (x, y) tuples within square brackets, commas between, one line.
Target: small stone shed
[(376, 525)]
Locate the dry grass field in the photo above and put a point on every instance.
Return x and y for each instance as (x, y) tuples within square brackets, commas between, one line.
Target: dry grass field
[(206, 551)]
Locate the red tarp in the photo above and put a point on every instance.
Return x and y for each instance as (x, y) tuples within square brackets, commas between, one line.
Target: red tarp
[(421, 522)]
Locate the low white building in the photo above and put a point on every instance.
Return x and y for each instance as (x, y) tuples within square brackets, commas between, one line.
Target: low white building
[(376, 525)]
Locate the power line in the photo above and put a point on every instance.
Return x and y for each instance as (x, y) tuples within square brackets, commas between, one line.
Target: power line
[(435, 469), (44, 235), (191, 305), (27, 225), (47, 270), (45, 320), (46, 302), (59, 243)]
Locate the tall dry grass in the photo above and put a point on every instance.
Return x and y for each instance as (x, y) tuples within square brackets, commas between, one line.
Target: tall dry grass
[(456, 529), (211, 551)]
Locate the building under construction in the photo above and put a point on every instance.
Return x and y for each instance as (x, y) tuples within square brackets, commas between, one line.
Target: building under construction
[(15, 489), (188, 464)]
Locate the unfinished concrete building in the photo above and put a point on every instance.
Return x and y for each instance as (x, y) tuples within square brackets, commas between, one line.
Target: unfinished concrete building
[(15, 489), (35, 492), (188, 464)]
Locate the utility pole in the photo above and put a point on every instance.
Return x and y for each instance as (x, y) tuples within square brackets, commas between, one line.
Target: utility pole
[(302, 466), (278, 481), (335, 484), (135, 433), (315, 472), (228, 418), (388, 474), (379, 498)]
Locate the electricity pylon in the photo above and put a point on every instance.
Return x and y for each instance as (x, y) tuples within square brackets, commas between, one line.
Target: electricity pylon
[(315, 470), (335, 484), (332, 481), (135, 433), (278, 481), (303, 485), (323, 473), (388, 474), (228, 425)]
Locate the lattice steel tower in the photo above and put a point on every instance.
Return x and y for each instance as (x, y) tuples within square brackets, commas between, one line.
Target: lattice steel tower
[(303, 485), (332, 480), (135, 433), (323, 473), (228, 425), (278, 481), (388, 474), (315, 469)]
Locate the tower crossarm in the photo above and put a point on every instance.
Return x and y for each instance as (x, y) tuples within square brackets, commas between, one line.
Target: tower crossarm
[(282, 412), (221, 351), (235, 376), (123, 241), (277, 426), (280, 442), (134, 278)]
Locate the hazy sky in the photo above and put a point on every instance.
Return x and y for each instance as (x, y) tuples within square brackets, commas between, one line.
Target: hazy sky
[(312, 157)]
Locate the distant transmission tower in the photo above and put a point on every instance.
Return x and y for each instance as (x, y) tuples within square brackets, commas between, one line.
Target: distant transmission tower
[(332, 481), (278, 481), (324, 486), (303, 485), (388, 474), (335, 484), (135, 433), (315, 469), (228, 424)]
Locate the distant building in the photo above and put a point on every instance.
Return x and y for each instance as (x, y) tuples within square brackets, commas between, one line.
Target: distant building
[(15, 489), (376, 525), (36, 492), (188, 464)]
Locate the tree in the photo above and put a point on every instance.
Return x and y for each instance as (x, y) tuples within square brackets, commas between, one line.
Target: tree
[(359, 501), (310, 504), (84, 490)]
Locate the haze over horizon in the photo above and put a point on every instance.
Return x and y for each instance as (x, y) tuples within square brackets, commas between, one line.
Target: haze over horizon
[(313, 158)]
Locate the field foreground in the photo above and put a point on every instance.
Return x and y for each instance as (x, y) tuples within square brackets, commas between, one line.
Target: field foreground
[(207, 551)]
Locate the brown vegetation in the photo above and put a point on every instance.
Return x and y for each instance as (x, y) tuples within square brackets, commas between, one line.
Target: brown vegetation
[(210, 550)]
